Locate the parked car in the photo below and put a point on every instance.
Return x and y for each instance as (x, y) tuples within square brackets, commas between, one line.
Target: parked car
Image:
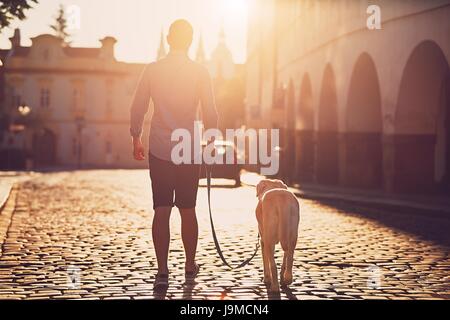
[(225, 171)]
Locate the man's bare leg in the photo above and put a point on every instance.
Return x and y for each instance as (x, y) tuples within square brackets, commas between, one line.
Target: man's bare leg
[(189, 234), (161, 237)]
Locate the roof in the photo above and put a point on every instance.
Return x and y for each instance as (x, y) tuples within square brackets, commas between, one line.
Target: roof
[(3, 53), (73, 52), (21, 51), (76, 52)]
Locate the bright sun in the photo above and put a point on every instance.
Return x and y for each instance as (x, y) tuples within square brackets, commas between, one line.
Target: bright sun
[(234, 8)]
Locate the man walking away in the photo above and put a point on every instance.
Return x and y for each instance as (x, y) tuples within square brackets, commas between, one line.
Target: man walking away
[(176, 85)]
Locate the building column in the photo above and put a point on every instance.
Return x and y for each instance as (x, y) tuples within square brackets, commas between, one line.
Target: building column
[(304, 147), (290, 156), (283, 172)]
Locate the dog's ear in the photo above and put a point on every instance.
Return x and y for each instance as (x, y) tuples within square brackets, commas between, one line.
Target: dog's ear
[(280, 184), (260, 188)]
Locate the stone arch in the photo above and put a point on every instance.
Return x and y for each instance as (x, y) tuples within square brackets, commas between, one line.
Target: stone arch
[(305, 132), (362, 160), (421, 143), (327, 150)]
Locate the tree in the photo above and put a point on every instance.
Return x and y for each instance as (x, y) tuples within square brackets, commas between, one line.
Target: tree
[(13, 9), (60, 25)]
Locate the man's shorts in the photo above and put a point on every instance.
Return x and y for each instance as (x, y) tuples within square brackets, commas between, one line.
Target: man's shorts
[(169, 180)]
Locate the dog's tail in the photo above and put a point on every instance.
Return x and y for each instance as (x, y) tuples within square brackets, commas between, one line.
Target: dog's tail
[(288, 227)]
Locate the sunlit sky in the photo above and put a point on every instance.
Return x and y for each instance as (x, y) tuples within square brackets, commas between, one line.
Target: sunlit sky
[(137, 24)]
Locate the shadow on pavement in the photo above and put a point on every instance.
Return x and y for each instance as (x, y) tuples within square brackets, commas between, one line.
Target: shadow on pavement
[(273, 295), (160, 293), (428, 228), (290, 295), (188, 287)]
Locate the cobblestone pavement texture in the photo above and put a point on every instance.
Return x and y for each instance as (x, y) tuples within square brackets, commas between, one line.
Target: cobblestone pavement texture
[(87, 234)]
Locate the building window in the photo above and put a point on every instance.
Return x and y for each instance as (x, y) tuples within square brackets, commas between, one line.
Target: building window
[(77, 99), (16, 99), (74, 147), (109, 106), (45, 98), (108, 147), (109, 90)]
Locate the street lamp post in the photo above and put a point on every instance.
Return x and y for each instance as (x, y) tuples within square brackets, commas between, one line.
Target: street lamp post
[(24, 111), (80, 122), (18, 126)]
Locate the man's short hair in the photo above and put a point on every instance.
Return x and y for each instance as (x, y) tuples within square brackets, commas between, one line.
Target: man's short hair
[(180, 34)]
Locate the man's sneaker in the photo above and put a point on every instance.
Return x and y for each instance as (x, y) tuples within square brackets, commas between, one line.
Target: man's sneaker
[(161, 281), (190, 275)]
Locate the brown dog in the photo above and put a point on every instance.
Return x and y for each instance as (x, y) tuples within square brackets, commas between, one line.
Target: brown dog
[(278, 215)]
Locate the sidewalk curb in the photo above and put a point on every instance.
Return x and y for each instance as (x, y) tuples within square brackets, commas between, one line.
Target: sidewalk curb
[(401, 206), (6, 214), (4, 197), (409, 209)]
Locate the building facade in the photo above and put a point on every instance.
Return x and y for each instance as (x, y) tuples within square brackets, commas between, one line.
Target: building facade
[(357, 106), (79, 100)]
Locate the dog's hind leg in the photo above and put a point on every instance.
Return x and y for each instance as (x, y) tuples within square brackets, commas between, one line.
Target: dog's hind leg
[(285, 264), (265, 265), (289, 246), (270, 238), (287, 272), (269, 250), (289, 259), (283, 268)]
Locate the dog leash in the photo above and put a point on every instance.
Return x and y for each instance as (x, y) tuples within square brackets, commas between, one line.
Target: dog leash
[(216, 242)]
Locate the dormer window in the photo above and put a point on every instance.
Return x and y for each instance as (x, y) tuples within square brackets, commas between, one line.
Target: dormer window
[(45, 98)]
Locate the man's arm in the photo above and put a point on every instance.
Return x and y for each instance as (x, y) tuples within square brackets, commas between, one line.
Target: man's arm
[(138, 110)]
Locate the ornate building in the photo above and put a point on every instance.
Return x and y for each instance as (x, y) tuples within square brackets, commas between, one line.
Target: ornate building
[(357, 106), (79, 100)]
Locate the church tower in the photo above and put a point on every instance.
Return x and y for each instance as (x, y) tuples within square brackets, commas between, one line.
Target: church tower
[(221, 64), (162, 48), (15, 39), (200, 56)]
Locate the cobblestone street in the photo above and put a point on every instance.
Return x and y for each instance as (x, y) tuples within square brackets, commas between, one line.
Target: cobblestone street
[(87, 234)]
